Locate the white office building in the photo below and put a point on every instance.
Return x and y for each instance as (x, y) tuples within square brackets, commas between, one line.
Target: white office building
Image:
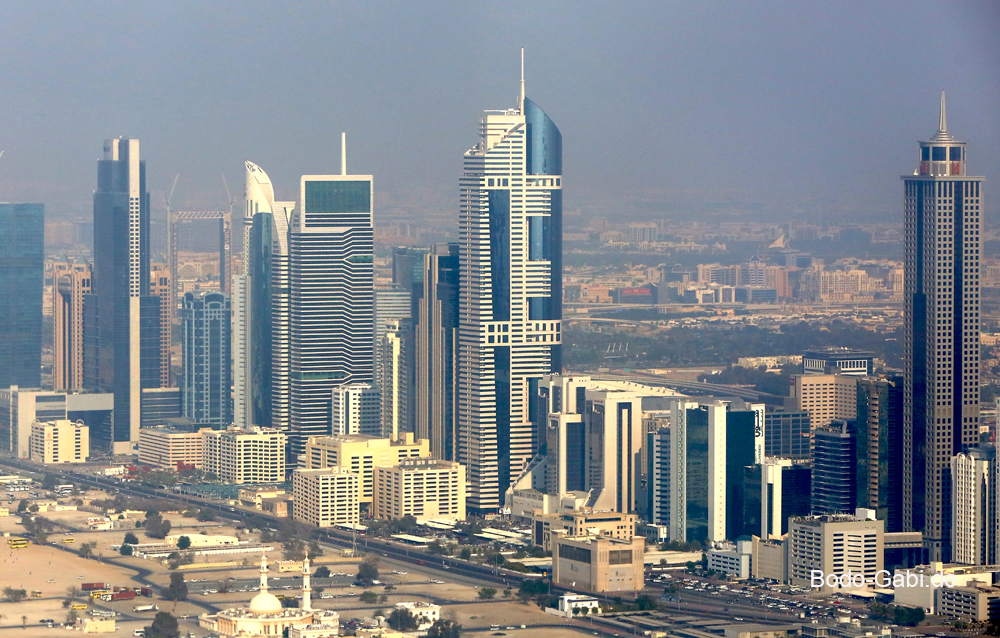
[(355, 409), (326, 497), (510, 292), (974, 519)]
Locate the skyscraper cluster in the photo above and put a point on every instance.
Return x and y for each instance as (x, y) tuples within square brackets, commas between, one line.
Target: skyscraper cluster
[(462, 353)]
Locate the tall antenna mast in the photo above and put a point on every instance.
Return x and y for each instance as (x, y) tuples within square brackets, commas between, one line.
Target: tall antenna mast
[(343, 153), (521, 103)]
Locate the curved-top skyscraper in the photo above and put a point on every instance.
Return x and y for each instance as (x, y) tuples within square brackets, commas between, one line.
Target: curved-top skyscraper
[(510, 292)]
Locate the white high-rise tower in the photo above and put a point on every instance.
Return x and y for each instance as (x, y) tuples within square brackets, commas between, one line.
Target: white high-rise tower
[(510, 292)]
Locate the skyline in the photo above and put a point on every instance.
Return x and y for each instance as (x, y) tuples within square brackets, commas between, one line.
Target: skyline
[(764, 111)]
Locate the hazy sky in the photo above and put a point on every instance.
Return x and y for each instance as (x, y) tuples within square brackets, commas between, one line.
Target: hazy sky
[(799, 109)]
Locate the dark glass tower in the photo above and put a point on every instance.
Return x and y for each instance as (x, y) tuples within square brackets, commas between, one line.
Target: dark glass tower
[(22, 256), (207, 345), (942, 225), (834, 479), (121, 319)]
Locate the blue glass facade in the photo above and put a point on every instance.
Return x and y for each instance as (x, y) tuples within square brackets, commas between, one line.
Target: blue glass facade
[(22, 254), (260, 324)]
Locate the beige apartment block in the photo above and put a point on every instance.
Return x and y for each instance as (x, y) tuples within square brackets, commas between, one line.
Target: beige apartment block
[(825, 397), (598, 564), (165, 448), (60, 441), (325, 497), (422, 488), (254, 496), (361, 454), (834, 545), (582, 523), (70, 282), (255, 455)]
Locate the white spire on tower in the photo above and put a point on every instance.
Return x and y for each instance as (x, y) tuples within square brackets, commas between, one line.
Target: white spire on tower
[(943, 121), (520, 103)]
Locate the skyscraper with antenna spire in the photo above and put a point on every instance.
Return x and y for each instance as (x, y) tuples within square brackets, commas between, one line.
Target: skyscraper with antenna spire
[(510, 292), (331, 316), (942, 226)]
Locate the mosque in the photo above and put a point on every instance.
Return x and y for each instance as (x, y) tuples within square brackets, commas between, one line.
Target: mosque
[(266, 618)]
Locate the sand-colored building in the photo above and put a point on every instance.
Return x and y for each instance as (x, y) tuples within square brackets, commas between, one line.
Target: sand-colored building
[(422, 488), (60, 441), (326, 497), (598, 564), (361, 454), (165, 448)]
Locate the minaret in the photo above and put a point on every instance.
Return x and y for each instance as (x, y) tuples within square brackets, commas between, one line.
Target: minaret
[(263, 573), (306, 587)]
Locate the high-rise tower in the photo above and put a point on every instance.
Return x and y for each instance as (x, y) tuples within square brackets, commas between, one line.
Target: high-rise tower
[(260, 308), (121, 323), (942, 208), (70, 282), (22, 255), (510, 292), (207, 340), (332, 278)]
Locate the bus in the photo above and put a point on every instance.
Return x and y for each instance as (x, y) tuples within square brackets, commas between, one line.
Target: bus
[(79, 606), (69, 540), (35, 593), (62, 488), (17, 543)]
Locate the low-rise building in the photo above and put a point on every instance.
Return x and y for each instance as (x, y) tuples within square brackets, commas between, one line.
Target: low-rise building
[(734, 560), (165, 448), (582, 523), (60, 441), (326, 497), (254, 496), (835, 546), (977, 601), (361, 454), (422, 488), (770, 559), (255, 455), (425, 613), (569, 602), (598, 564), (277, 506), (920, 586)]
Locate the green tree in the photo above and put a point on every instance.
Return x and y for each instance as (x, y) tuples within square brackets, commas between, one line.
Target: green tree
[(444, 629), (49, 481), (368, 597), (74, 592), (87, 550), (131, 539), (507, 593), (288, 601), (72, 617), (12, 595), (22, 505), (487, 593), (533, 587), (126, 550), (66, 603), (177, 590), (315, 551), (183, 542), (368, 570), (465, 554), (164, 626), (322, 572), (205, 514), (401, 619)]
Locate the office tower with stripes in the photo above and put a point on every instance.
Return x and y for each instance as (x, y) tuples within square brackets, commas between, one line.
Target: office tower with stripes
[(121, 323), (942, 247), (396, 379), (331, 251), (435, 351), (510, 292)]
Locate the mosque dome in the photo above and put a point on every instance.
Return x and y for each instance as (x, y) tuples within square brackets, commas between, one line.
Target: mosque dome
[(265, 603)]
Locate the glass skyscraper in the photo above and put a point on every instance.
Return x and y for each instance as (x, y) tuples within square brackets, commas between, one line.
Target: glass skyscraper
[(22, 257), (510, 292), (331, 251), (121, 323), (207, 341)]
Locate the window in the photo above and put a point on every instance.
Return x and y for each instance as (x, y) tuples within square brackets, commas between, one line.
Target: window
[(939, 153)]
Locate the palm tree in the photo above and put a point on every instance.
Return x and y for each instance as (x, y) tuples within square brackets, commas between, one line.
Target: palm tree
[(24, 622), (74, 592)]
